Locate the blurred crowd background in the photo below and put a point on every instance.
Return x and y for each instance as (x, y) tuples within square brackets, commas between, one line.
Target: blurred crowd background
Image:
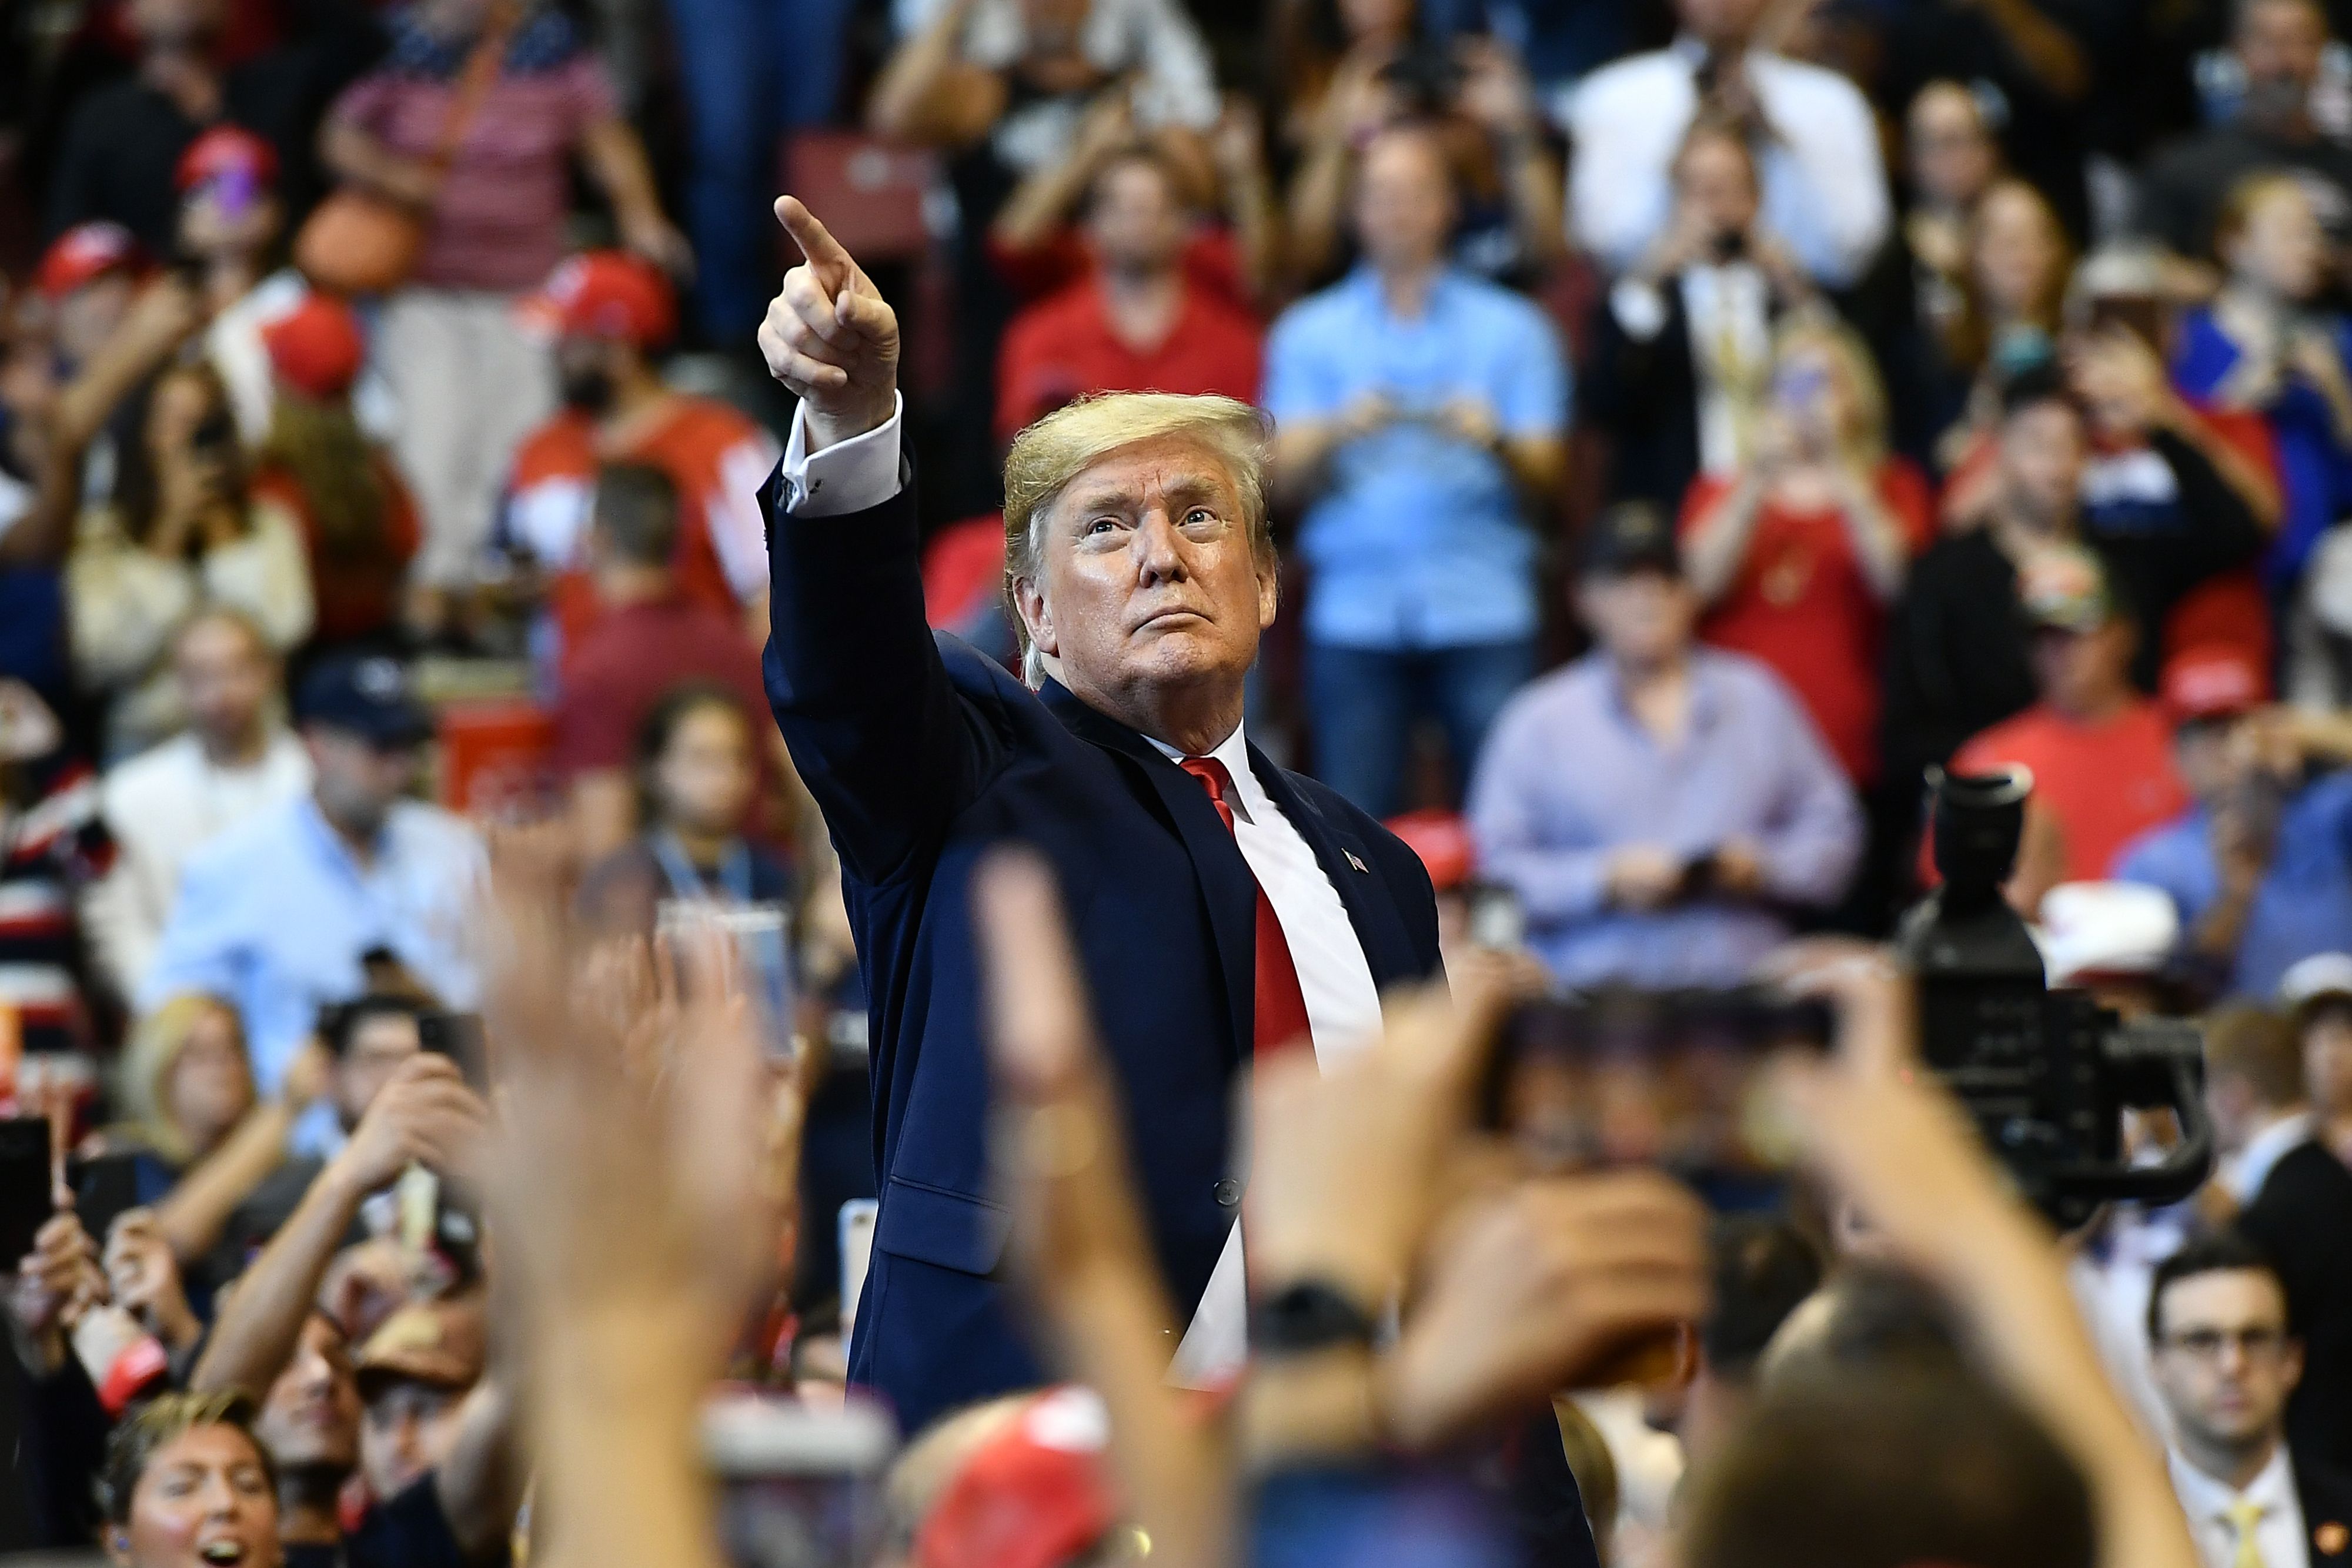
[(1694, 422)]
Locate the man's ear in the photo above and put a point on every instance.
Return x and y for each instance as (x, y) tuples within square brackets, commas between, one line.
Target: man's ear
[(1036, 616), (1269, 592), (2291, 1363)]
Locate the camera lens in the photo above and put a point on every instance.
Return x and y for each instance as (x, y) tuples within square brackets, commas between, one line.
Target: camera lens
[(1978, 819)]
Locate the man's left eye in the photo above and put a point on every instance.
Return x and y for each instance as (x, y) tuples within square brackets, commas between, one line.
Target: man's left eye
[(1200, 515)]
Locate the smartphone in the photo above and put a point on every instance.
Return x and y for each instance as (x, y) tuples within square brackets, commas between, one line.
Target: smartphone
[(28, 1196), (1498, 921), (105, 1189), (761, 935), (1673, 1079), (800, 1486), (458, 1037)]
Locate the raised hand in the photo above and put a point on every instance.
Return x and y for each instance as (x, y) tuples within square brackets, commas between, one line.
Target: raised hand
[(830, 337)]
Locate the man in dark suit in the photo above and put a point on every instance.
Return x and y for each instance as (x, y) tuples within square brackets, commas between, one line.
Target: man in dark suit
[(1682, 345), (2224, 1363), (2294, 1202), (1222, 906)]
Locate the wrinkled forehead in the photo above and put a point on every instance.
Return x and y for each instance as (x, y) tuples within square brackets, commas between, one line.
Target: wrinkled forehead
[(1167, 469)]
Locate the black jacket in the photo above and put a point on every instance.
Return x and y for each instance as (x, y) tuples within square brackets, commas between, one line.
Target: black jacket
[(2303, 1218), (921, 754)]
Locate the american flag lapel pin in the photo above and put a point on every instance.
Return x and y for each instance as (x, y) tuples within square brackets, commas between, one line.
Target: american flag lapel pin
[(1358, 864)]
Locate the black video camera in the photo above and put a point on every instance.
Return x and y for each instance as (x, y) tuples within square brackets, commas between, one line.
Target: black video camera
[(2047, 1074)]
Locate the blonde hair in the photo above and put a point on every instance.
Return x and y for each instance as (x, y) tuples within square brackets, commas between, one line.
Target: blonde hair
[(147, 1064), (1050, 454), (1865, 437)]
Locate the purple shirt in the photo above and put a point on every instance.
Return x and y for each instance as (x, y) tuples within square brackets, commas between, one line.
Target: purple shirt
[(1570, 776)]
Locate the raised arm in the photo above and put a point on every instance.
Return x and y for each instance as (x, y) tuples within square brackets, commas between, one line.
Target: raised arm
[(877, 732)]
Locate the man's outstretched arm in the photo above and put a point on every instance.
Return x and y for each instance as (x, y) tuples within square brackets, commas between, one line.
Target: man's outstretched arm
[(877, 731)]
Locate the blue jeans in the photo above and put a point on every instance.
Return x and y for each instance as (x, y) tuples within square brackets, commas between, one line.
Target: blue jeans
[(1366, 700), (752, 70)]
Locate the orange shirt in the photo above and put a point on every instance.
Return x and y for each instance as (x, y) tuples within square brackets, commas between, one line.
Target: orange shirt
[(715, 457)]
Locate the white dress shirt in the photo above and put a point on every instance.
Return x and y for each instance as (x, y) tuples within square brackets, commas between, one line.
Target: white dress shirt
[(1343, 1004), (2279, 1534), (159, 807), (1824, 188)]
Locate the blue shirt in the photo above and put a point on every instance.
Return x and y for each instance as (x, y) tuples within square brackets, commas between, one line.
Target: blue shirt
[(2315, 467), (2304, 903), (1571, 776), (1420, 541), (274, 915)]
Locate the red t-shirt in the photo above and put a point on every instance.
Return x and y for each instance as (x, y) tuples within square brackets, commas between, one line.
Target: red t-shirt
[(1063, 348), (624, 664), (356, 587), (1801, 604), (715, 457), (2105, 783)]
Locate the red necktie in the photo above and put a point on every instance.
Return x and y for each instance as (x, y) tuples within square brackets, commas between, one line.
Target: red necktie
[(1281, 1011)]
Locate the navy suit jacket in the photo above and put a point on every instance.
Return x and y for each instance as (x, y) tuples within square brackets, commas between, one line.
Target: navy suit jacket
[(922, 753)]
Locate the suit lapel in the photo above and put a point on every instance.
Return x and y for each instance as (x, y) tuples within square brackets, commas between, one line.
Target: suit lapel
[(1388, 950), (1226, 886)]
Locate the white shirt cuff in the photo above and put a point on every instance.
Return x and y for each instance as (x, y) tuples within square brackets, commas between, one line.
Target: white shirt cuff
[(847, 477)]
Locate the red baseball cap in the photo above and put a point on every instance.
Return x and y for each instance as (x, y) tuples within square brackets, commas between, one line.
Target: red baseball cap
[(1442, 841), (226, 150), (2216, 681), (316, 348), (82, 255), (605, 294), (1033, 1495)]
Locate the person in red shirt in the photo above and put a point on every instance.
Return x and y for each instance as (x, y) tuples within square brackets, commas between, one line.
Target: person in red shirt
[(1138, 322), (609, 313), (2101, 753), (358, 520), (1798, 555), (650, 637)]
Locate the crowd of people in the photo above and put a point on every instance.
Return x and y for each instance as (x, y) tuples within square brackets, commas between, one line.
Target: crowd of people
[(1689, 424)]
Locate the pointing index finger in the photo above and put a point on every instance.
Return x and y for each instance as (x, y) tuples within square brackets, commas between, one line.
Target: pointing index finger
[(826, 258)]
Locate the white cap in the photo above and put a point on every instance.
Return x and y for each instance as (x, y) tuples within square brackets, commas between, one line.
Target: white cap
[(2321, 974), (2105, 928)]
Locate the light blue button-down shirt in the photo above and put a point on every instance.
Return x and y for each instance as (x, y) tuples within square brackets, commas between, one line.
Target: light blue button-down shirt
[(1570, 776), (275, 913), (1421, 540), (2304, 904)]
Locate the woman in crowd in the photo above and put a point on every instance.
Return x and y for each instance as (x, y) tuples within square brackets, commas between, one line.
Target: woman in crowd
[(698, 774), (2268, 345), (188, 1484), (358, 522), (1357, 64), (183, 530), (2013, 289), (470, 381), (1798, 555), (202, 1139)]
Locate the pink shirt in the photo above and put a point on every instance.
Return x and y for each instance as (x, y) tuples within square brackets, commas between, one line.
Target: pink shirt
[(500, 222)]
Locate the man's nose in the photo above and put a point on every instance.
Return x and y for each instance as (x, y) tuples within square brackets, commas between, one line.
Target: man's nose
[(1162, 552)]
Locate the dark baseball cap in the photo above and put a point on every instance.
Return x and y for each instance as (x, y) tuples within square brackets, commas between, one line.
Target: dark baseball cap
[(367, 695), (1631, 536)]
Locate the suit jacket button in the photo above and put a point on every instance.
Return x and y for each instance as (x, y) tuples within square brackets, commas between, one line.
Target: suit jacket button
[(1227, 1192)]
